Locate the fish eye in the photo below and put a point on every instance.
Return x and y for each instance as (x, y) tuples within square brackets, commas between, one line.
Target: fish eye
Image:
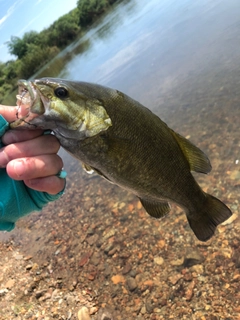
[(61, 92)]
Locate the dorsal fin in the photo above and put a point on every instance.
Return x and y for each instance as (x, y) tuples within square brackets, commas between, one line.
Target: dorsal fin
[(196, 158)]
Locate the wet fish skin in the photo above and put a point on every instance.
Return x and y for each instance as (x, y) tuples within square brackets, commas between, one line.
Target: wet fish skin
[(127, 144)]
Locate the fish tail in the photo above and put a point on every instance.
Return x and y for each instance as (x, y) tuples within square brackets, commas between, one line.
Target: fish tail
[(212, 214)]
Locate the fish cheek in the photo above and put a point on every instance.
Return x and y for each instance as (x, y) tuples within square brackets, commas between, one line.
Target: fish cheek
[(96, 118)]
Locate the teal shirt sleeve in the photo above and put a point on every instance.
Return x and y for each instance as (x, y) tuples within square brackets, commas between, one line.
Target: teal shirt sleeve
[(16, 199)]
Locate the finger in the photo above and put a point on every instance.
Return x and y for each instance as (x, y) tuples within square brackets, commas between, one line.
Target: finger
[(8, 112), (51, 184), (13, 136), (46, 144), (34, 167)]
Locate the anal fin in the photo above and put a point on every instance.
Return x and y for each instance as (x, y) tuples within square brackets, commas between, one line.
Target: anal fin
[(155, 209)]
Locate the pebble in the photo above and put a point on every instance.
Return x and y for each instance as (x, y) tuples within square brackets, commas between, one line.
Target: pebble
[(18, 256), (29, 267), (127, 268), (3, 292), (118, 279), (158, 260), (95, 259), (198, 268), (235, 175), (189, 291), (131, 283), (84, 259), (40, 293), (175, 278), (93, 310), (149, 306), (177, 262), (93, 239), (10, 284), (192, 257), (83, 314), (28, 258), (104, 314), (230, 220)]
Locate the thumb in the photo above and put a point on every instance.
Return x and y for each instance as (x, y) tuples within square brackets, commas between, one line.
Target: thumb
[(8, 112)]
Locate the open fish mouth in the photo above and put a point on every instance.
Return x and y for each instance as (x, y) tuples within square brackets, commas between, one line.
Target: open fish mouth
[(27, 97)]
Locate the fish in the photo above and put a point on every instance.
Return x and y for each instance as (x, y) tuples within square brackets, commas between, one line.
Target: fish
[(118, 138)]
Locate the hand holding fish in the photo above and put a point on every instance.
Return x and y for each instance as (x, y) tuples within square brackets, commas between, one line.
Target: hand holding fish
[(31, 156)]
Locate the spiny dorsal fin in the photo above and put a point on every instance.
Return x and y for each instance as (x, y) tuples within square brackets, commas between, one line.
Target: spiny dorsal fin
[(196, 158), (154, 208)]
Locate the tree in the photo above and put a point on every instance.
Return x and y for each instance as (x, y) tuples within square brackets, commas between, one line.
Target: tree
[(35, 58), (89, 9), (64, 30), (17, 47)]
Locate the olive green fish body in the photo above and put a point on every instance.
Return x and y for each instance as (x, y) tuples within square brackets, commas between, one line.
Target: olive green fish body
[(156, 159), (130, 146)]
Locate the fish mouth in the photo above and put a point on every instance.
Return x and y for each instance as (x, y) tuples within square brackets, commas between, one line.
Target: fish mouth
[(29, 105)]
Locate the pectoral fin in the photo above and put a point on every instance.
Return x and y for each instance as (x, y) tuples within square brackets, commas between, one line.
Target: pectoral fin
[(197, 159), (154, 208), (91, 170), (87, 168)]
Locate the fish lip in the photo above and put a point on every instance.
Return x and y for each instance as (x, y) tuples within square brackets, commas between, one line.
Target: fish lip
[(27, 87), (35, 95), (30, 105)]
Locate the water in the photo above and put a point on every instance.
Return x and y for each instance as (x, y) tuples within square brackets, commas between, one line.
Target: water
[(179, 58), (182, 60)]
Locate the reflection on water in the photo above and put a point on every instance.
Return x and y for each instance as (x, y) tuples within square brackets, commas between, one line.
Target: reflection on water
[(182, 60)]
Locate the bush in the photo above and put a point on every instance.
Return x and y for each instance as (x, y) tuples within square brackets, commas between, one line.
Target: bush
[(89, 9), (35, 58)]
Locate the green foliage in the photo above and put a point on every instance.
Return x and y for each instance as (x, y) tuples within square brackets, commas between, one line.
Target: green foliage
[(89, 9), (10, 70), (8, 73), (32, 37), (17, 47), (64, 30), (35, 58)]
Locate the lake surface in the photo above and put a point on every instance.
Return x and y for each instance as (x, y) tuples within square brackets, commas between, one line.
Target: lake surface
[(181, 59)]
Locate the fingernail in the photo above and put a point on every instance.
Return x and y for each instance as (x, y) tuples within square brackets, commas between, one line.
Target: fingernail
[(19, 167), (3, 159)]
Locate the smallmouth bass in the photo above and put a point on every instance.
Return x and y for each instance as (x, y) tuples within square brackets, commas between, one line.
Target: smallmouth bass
[(124, 142)]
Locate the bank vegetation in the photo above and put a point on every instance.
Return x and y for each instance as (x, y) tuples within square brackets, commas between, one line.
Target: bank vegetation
[(35, 49)]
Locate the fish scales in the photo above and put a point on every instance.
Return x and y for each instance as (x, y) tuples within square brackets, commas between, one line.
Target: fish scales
[(126, 143)]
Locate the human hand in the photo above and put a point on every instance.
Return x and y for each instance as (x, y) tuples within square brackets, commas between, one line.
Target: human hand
[(31, 156)]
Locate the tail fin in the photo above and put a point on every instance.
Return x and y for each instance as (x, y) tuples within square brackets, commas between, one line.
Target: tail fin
[(214, 212)]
